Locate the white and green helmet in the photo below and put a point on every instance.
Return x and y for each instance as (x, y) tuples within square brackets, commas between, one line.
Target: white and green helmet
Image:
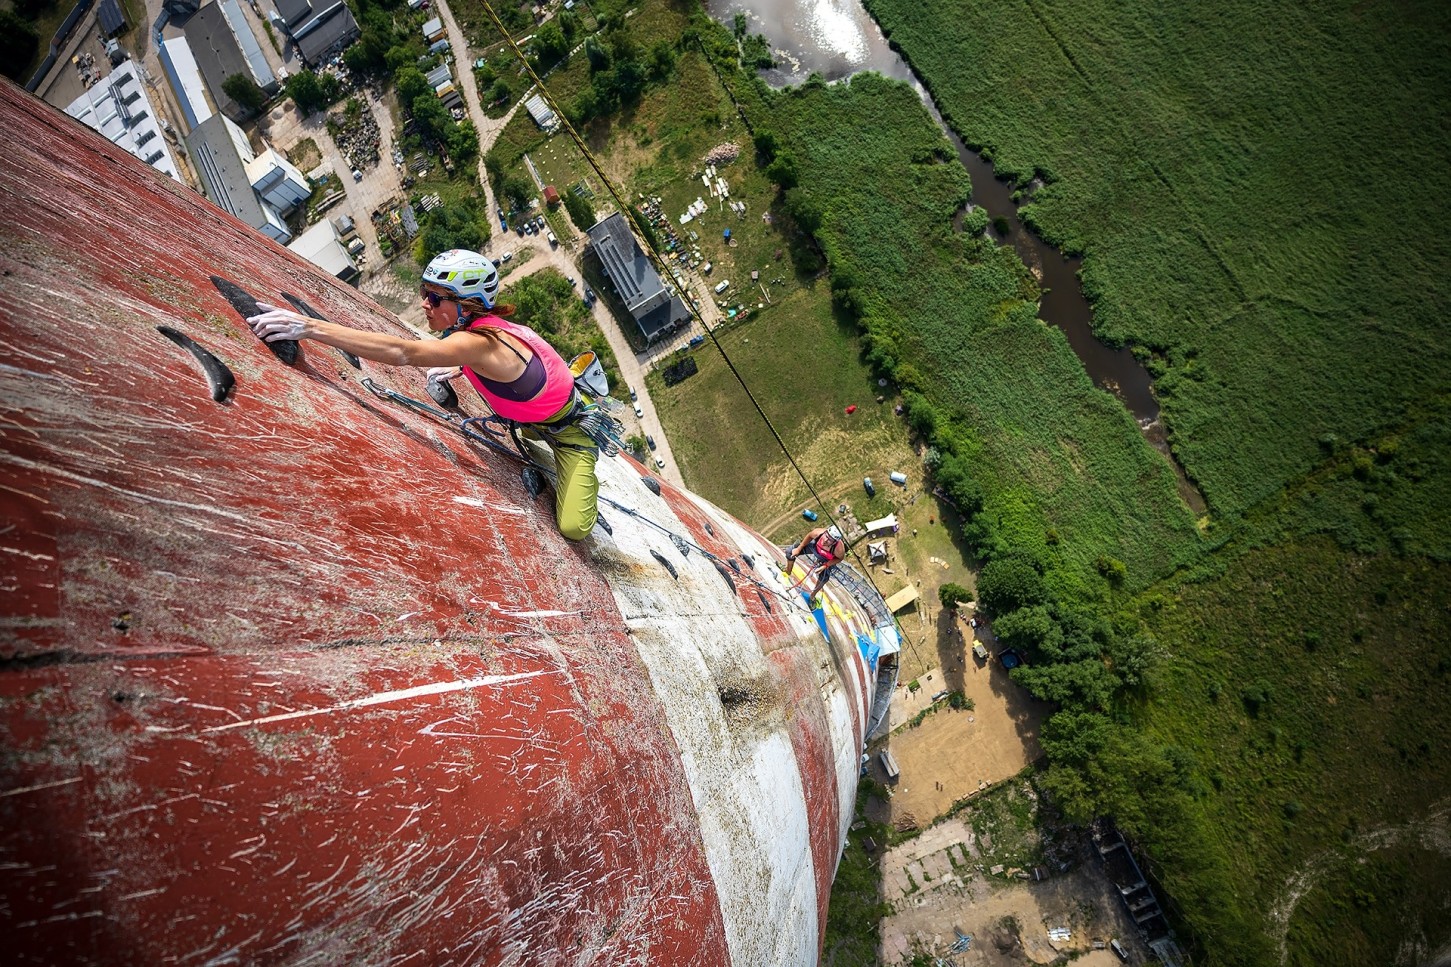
[(466, 274)]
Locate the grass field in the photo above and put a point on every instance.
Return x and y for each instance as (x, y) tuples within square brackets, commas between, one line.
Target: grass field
[(1313, 720), (1262, 210), (1262, 218), (1064, 468)]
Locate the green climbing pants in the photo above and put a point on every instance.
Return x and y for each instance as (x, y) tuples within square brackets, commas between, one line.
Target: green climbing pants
[(576, 495)]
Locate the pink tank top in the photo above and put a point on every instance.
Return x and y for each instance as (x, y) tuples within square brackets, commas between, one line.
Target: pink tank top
[(558, 381)]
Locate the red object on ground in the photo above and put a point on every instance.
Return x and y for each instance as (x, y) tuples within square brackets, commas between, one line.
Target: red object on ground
[(551, 196), (851, 409)]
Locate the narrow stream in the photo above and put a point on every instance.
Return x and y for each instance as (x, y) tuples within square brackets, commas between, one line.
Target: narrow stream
[(837, 38)]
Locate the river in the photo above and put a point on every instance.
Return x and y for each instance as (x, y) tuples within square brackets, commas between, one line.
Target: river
[(837, 38)]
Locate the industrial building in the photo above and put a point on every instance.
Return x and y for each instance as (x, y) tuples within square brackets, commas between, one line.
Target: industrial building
[(186, 82), (655, 307), (257, 188), (119, 108), (319, 30), (223, 44), (321, 246)]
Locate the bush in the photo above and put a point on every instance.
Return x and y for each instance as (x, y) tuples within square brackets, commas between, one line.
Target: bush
[(951, 595), (243, 90), (581, 212), (1010, 583)]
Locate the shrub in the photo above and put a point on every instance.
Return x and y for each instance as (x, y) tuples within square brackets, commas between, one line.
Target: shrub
[(1010, 583), (953, 594)]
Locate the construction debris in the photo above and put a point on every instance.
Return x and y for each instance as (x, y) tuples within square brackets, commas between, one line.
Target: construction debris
[(722, 154)]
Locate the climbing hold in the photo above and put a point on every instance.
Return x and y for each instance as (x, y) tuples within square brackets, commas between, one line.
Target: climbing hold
[(308, 310), (219, 377), (652, 485), (246, 305), (442, 393), (668, 566)]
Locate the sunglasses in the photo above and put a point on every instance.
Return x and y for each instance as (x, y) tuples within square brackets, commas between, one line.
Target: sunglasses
[(433, 299)]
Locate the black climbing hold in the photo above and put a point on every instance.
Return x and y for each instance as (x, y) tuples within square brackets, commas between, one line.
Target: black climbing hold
[(442, 393), (764, 600), (735, 565), (668, 566), (750, 561), (307, 310), (246, 305), (725, 574), (533, 481), (652, 484), (219, 377), (680, 545), (600, 520), (709, 530)]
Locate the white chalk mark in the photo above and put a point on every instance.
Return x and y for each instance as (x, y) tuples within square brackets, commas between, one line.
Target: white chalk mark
[(383, 698), (36, 788), (497, 508), (141, 893)]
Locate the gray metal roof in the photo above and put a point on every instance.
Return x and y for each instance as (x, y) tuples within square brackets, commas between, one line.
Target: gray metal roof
[(328, 29), (223, 171), (111, 18), (217, 54), (653, 306)]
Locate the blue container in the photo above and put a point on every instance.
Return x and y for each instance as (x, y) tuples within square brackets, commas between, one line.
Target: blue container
[(727, 235)]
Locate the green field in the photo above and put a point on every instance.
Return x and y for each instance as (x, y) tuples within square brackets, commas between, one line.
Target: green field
[(1261, 213), (1260, 209)]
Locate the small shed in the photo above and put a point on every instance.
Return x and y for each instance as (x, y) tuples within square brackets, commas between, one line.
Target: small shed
[(112, 21), (433, 30), (902, 598), (551, 196)]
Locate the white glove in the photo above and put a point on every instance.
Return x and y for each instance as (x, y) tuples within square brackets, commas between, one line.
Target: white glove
[(444, 372), (275, 324)]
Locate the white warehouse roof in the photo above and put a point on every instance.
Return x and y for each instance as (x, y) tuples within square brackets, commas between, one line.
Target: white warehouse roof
[(121, 111)]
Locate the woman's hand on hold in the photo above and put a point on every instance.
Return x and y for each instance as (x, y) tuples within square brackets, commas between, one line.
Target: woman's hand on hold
[(444, 372), (274, 324)]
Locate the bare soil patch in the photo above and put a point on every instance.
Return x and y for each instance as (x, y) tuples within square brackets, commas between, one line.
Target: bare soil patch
[(952, 754)]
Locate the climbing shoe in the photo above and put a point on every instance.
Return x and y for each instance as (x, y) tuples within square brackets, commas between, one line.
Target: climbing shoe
[(533, 481)]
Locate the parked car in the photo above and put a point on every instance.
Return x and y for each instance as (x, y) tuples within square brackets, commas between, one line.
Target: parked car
[(809, 514), (659, 462), (649, 441), (639, 412), (552, 240), (539, 222), (589, 295), (357, 175), (505, 257), (721, 285), (633, 395), (696, 341)]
